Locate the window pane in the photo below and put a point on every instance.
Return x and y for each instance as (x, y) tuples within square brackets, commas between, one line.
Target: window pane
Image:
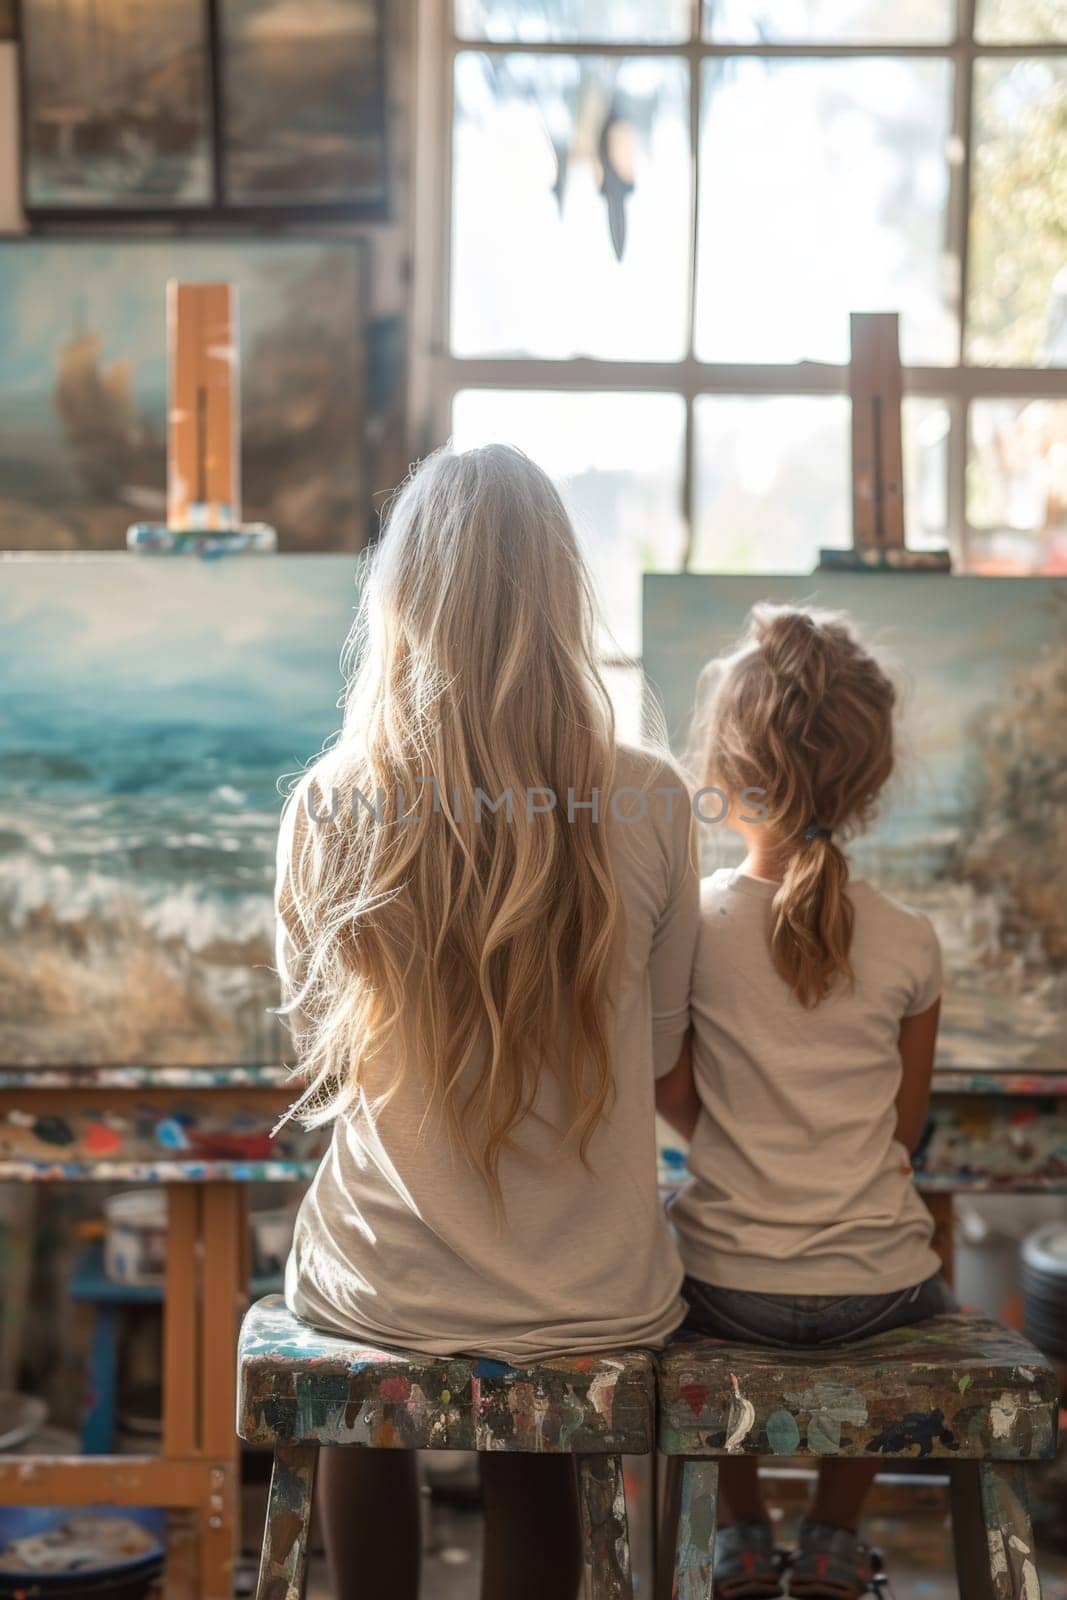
[(618, 459), (774, 482), (925, 427), (823, 188), (570, 226), (1017, 313), (556, 21), (828, 21), (1021, 21), (1017, 486)]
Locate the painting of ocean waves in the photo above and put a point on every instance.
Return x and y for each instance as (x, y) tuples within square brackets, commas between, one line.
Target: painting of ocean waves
[(973, 827), (151, 710)]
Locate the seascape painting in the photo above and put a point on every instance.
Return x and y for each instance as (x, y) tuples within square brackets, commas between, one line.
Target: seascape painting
[(83, 386), (116, 105), (973, 829), (303, 89), (153, 707)]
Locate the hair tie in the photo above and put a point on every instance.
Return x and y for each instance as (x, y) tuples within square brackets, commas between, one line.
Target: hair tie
[(817, 833)]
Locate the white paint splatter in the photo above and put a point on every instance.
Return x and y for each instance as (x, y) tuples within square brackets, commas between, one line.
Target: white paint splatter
[(742, 1416), (602, 1394), (1002, 1414)]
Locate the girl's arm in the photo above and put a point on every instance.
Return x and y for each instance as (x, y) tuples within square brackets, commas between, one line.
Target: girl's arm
[(918, 1041), (676, 1097)]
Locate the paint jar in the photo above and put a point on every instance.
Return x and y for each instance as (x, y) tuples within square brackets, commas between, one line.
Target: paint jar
[(135, 1249), (1043, 1259)]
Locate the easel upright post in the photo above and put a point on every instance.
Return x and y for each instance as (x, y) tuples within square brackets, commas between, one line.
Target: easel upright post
[(876, 390)]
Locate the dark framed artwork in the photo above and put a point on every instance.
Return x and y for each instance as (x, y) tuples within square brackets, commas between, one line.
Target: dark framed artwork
[(205, 109), (83, 385), (303, 103), (116, 107), (8, 29)]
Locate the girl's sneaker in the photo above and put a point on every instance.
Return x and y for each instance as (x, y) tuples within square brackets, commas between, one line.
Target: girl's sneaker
[(747, 1565), (832, 1564)]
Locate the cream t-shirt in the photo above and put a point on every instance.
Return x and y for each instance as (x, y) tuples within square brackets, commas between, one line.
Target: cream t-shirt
[(396, 1241), (799, 1185)]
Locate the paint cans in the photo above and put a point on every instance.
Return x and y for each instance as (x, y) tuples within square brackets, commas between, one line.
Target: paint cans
[(135, 1249), (1043, 1259)]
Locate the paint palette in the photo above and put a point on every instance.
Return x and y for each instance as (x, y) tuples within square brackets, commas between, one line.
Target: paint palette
[(76, 1551)]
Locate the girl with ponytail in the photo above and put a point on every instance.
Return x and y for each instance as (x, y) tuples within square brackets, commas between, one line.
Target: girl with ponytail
[(804, 1086)]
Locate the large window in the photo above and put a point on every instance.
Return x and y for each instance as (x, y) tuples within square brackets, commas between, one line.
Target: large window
[(642, 225)]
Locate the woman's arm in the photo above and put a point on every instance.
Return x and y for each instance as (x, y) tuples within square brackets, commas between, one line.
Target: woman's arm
[(918, 1042), (677, 1100)]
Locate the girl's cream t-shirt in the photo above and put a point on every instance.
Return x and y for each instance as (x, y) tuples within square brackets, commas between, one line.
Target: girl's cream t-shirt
[(799, 1185), (397, 1242)]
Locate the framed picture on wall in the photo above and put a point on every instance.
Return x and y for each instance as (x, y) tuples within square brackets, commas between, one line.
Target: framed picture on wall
[(7, 19), (83, 402), (202, 109), (116, 106), (302, 103)]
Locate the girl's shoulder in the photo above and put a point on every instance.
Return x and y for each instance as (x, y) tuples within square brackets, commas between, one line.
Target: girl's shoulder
[(900, 941), (873, 904), (716, 886), (718, 897)]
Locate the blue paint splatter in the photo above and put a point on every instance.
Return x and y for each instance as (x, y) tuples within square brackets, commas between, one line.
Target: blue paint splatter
[(171, 1135)]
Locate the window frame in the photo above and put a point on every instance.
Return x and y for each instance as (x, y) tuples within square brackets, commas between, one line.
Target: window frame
[(436, 374)]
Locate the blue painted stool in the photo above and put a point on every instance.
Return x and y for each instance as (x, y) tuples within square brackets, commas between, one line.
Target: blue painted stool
[(299, 1388), (962, 1389)]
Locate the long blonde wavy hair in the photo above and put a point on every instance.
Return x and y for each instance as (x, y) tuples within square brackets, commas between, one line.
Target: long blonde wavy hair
[(804, 713), (471, 952)]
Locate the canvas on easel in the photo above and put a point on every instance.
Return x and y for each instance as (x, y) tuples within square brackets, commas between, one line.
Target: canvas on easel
[(971, 830)]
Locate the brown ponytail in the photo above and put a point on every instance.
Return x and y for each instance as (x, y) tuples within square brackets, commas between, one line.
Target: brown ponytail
[(805, 714)]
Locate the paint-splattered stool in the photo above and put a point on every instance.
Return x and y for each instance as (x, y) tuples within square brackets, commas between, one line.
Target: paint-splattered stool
[(959, 1388), (299, 1388)]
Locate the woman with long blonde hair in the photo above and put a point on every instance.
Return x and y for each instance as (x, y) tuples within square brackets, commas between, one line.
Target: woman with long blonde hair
[(487, 910)]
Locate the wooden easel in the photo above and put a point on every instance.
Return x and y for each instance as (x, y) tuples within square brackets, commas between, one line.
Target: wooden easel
[(876, 390)]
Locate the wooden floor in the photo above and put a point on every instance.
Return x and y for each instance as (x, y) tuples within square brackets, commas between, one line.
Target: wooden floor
[(915, 1549)]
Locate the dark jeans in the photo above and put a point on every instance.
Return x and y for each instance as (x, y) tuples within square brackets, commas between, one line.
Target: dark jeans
[(783, 1320)]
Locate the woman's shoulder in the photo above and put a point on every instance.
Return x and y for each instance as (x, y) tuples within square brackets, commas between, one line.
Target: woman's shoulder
[(649, 770), (650, 811)]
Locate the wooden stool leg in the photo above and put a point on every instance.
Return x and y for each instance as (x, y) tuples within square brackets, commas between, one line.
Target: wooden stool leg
[(996, 1557), (283, 1561), (687, 1538), (605, 1532)]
